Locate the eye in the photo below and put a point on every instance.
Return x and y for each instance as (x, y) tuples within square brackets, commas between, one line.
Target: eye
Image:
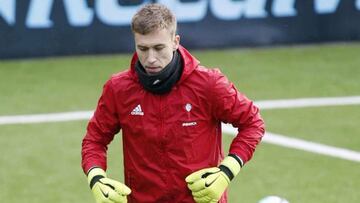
[(159, 48), (143, 48)]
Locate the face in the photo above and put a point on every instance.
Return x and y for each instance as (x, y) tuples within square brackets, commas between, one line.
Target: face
[(155, 50)]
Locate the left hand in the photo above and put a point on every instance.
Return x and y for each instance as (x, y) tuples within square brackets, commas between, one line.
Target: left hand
[(208, 185)]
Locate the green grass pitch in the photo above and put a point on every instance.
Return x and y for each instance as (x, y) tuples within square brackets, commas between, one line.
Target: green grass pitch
[(41, 162)]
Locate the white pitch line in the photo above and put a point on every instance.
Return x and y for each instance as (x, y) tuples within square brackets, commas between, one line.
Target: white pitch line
[(304, 145), (46, 118), (269, 137), (308, 102), (270, 104)]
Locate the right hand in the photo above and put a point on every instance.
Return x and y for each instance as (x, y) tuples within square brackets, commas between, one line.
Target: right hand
[(106, 190)]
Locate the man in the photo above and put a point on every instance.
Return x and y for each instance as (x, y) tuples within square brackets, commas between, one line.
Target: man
[(170, 110)]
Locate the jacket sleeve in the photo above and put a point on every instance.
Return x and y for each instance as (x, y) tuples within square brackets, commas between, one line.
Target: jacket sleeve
[(100, 131), (231, 106)]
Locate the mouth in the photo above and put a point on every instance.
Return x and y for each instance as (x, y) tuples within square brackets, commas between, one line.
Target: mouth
[(152, 70)]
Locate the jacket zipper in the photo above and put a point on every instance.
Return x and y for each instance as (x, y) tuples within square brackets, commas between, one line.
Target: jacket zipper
[(163, 142), (161, 119)]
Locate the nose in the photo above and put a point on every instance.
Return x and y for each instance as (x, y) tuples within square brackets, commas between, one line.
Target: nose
[(151, 59)]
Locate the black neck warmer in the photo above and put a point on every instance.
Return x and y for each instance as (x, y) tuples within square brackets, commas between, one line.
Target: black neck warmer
[(163, 81)]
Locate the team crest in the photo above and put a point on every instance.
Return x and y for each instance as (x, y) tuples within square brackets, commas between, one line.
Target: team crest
[(188, 107)]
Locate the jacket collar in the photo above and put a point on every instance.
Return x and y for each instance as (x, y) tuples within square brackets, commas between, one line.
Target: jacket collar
[(190, 63)]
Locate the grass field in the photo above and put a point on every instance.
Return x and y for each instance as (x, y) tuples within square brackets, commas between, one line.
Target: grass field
[(41, 162)]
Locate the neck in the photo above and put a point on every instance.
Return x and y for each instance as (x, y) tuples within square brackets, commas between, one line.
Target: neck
[(163, 81)]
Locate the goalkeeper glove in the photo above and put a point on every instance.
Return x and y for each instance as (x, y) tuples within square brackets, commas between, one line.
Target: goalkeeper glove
[(208, 185), (106, 190)]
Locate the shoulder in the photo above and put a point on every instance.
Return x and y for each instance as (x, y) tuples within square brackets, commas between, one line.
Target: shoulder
[(121, 82), (203, 80), (207, 74), (208, 71), (216, 82), (121, 79), (120, 76)]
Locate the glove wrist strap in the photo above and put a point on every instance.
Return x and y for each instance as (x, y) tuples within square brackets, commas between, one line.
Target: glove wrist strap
[(227, 172), (94, 180), (241, 163), (94, 175), (230, 166)]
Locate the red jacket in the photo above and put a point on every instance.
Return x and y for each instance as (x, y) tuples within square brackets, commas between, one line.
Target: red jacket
[(167, 137)]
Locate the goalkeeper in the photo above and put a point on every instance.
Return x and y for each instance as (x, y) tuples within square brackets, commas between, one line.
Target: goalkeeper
[(170, 109)]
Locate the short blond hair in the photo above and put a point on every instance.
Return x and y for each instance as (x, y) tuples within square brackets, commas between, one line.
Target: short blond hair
[(153, 17)]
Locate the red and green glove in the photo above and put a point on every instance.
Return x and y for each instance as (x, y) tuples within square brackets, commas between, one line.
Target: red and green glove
[(106, 190), (207, 185)]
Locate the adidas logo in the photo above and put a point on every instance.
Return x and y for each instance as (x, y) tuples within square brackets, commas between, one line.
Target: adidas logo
[(137, 111)]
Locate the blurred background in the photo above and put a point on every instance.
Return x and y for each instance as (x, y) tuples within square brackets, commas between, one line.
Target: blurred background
[(66, 27), (298, 60)]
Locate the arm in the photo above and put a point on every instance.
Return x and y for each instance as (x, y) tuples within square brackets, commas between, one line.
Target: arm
[(100, 132), (229, 106)]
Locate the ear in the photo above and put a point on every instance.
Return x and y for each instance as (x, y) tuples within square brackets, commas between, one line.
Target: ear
[(176, 42)]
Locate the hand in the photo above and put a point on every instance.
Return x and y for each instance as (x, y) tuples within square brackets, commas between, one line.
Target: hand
[(207, 185), (106, 190)]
